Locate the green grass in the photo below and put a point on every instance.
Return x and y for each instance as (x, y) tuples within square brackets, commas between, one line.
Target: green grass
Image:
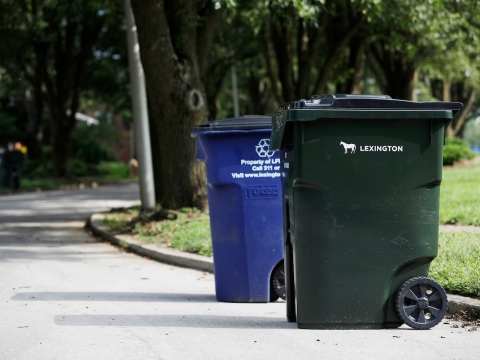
[(115, 224), (41, 183), (105, 172), (185, 230), (114, 170), (457, 267), (460, 196), (35, 184)]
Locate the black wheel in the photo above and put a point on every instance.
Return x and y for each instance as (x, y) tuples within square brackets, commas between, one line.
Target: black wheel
[(277, 283), (421, 303)]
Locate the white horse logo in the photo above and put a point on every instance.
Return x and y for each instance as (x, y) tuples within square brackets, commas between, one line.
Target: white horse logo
[(346, 146)]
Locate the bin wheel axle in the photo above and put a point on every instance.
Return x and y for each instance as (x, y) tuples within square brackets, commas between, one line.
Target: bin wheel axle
[(277, 284), (421, 303)]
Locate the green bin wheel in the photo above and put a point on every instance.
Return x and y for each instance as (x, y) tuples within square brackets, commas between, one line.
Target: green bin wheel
[(421, 303), (277, 283)]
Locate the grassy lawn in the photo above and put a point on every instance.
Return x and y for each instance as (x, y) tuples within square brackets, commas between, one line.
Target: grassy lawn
[(28, 185), (460, 196), (457, 267), (114, 170), (186, 230)]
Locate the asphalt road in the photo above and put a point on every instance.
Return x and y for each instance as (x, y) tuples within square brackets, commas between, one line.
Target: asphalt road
[(65, 295)]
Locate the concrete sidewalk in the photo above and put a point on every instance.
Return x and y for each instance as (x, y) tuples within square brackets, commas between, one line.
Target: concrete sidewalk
[(457, 305)]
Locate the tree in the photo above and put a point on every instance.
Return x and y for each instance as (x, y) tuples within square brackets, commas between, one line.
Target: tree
[(62, 41), (454, 74), (175, 40), (303, 42), (17, 60), (410, 34), (237, 42)]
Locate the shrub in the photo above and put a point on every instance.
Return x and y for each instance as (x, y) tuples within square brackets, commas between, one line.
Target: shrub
[(78, 168), (39, 169), (455, 150), (90, 151)]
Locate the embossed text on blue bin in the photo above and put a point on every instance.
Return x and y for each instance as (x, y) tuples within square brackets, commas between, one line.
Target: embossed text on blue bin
[(261, 192)]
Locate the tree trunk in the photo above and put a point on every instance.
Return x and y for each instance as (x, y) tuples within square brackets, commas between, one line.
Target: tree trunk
[(398, 75), (177, 98), (61, 132), (216, 76), (354, 67), (436, 88), (34, 108), (269, 55), (308, 44), (358, 58), (446, 91), (259, 94), (335, 53), (446, 96), (60, 153), (457, 125), (282, 44), (411, 94)]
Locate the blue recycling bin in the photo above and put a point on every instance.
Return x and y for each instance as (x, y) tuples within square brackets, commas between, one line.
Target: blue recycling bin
[(245, 203)]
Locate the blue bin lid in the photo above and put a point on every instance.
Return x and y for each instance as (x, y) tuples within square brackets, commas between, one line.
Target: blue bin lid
[(354, 101), (246, 122)]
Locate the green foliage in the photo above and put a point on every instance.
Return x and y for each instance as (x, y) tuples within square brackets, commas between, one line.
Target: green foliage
[(90, 147), (64, 53), (78, 168), (456, 149), (456, 37), (90, 151), (93, 144), (457, 267), (459, 200), (8, 129), (420, 28), (37, 169)]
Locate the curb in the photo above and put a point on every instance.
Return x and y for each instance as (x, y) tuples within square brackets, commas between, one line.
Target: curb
[(456, 228), (463, 306), (457, 304), (155, 252)]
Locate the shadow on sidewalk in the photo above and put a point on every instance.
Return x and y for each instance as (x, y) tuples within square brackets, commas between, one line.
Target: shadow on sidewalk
[(113, 296), (177, 321)]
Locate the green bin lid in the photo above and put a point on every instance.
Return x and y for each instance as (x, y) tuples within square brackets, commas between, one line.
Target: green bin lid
[(353, 101)]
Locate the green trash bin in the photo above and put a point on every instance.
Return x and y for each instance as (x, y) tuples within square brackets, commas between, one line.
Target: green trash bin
[(361, 179)]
